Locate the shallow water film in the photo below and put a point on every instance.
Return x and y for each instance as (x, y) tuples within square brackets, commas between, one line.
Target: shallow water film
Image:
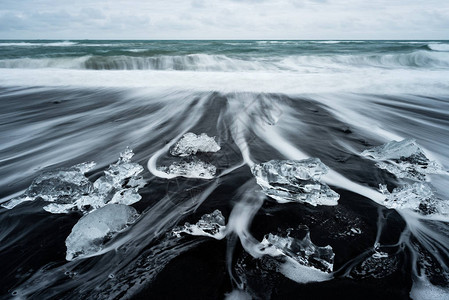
[(224, 169)]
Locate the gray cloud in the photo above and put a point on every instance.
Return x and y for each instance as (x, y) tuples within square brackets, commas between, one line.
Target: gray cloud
[(225, 19)]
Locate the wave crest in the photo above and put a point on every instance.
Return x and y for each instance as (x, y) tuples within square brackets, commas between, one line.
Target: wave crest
[(223, 63), (438, 47)]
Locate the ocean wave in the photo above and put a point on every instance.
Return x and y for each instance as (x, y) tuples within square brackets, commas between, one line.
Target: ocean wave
[(416, 59), (31, 44), (193, 62), (223, 63), (326, 42), (44, 63), (438, 47)]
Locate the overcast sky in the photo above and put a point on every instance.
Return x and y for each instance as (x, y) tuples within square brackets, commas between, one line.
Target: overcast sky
[(224, 19)]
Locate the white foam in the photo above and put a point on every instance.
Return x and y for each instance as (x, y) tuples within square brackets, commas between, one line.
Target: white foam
[(237, 295), (27, 44), (375, 81), (439, 47), (422, 289)]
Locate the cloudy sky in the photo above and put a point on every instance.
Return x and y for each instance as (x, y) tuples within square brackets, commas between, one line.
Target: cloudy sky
[(224, 19)]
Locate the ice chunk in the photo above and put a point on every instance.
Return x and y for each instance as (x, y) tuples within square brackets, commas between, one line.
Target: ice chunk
[(60, 186), (301, 260), (418, 197), (211, 225), (191, 143), (93, 230), (191, 169), (118, 172), (126, 196), (119, 184), (295, 181), (70, 190), (303, 251), (404, 159)]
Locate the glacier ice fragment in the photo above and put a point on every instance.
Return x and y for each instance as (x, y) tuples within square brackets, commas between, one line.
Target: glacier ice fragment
[(119, 184), (295, 181), (191, 143), (404, 159), (59, 186), (93, 230), (211, 225), (190, 169), (303, 251), (69, 189), (418, 197)]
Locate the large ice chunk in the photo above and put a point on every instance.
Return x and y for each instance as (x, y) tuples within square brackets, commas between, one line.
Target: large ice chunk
[(191, 143), (418, 197), (194, 168), (300, 259), (211, 225), (295, 181), (69, 189), (119, 184), (59, 186), (93, 230), (303, 251), (404, 159)]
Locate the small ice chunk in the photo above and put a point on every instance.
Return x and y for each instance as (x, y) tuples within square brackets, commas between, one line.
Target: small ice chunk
[(16, 201), (191, 143), (126, 196), (303, 251), (295, 181), (211, 225), (418, 197), (118, 172), (60, 186), (93, 230), (404, 159), (301, 273), (191, 169)]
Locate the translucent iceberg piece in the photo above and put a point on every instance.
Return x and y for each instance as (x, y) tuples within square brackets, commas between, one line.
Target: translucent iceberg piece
[(69, 189), (93, 230), (59, 186), (121, 170), (191, 143), (211, 225), (191, 169), (119, 184), (126, 196), (404, 159), (418, 197), (303, 251), (295, 181)]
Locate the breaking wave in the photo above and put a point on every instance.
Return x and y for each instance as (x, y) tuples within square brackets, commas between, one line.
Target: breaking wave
[(207, 62), (29, 44), (438, 47)]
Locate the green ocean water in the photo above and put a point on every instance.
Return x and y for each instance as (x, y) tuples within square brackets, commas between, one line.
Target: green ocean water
[(220, 55)]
